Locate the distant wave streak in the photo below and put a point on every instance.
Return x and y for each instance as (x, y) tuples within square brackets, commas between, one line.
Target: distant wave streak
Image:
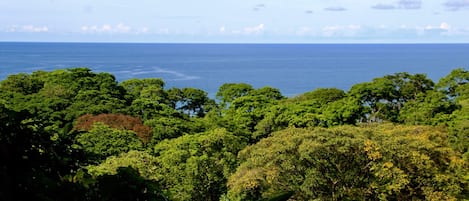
[(168, 75)]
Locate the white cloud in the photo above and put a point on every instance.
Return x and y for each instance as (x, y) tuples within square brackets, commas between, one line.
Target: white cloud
[(27, 28), (123, 28), (348, 30), (248, 30), (444, 29), (92, 29), (107, 28), (406, 31), (143, 30), (445, 26), (305, 31), (254, 30), (222, 29), (383, 32), (164, 31), (31, 28)]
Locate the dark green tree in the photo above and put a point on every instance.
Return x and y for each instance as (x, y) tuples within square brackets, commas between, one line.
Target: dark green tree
[(430, 108), (56, 98), (456, 83), (228, 92), (385, 96), (134, 87), (127, 184), (33, 161), (190, 101)]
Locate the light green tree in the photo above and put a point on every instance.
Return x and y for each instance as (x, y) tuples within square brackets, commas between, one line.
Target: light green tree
[(196, 167)]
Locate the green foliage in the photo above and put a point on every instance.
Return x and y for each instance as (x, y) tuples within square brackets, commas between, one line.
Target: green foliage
[(123, 177), (102, 141), (386, 96), (347, 163), (268, 92), (151, 103), (32, 160), (195, 167), (459, 129), (456, 83), (430, 108), (171, 127), (22, 84), (125, 184), (117, 121), (192, 142), (141, 161), (320, 96), (56, 98), (191, 101), (134, 87), (230, 91), (322, 107), (417, 162), (246, 111)]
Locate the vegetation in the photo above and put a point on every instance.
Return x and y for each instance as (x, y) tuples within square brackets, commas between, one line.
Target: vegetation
[(74, 134)]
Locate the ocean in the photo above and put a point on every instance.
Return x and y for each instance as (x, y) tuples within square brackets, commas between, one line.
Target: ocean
[(292, 68)]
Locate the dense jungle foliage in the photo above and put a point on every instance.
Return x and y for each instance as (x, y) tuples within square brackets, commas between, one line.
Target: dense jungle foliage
[(74, 134)]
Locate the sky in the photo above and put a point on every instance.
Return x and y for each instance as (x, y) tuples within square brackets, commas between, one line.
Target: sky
[(236, 21)]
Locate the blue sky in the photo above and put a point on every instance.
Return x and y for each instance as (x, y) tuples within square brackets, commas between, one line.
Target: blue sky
[(236, 21)]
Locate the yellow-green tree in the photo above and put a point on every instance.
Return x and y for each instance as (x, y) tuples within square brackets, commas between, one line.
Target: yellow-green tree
[(387, 162)]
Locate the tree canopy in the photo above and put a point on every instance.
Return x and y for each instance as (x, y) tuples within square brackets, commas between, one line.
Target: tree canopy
[(74, 134)]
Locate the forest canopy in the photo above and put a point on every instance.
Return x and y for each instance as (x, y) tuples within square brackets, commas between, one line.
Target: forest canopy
[(74, 134)]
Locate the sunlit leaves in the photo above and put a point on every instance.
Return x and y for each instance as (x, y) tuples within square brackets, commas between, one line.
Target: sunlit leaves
[(195, 167), (102, 141), (385, 162), (141, 161)]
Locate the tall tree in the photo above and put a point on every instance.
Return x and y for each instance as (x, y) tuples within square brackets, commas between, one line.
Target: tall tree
[(348, 163), (228, 92), (196, 167), (385, 96), (456, 83)]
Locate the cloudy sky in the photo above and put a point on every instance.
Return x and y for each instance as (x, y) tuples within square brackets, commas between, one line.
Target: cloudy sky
[(236, 21)]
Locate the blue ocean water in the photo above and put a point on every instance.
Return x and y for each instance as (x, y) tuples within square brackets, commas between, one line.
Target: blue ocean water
[(293, 68)]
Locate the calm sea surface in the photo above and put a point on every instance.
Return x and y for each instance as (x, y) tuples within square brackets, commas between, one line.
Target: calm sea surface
[(293, 68)]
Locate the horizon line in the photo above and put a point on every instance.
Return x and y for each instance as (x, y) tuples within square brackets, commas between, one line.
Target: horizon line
[(242, 43)]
